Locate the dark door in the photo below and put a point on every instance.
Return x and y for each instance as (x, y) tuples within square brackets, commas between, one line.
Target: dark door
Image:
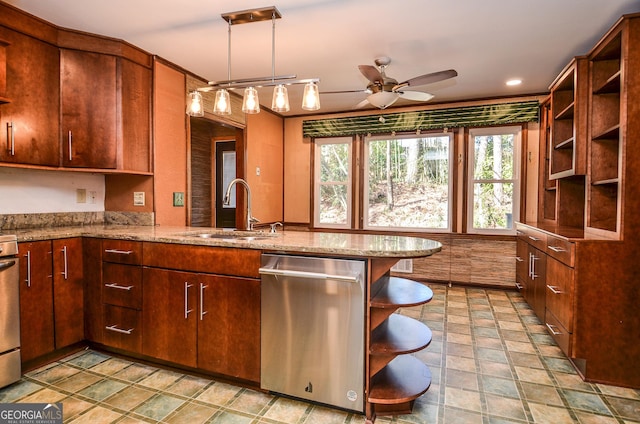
[(225, 152)]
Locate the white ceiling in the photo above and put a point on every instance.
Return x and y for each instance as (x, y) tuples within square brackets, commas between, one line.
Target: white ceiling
[(486, 41)]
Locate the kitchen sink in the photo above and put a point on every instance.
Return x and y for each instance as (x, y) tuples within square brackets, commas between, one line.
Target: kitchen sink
[(231, 235)]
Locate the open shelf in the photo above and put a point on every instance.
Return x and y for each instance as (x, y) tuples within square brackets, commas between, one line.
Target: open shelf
[(566, 144), (395, 292), (399, 334), (403, 380)]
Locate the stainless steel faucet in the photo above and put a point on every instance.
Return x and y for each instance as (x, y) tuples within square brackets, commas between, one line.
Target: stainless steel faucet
[(227, 199)]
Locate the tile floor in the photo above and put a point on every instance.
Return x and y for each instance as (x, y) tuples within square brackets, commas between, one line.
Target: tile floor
[(491, 359)]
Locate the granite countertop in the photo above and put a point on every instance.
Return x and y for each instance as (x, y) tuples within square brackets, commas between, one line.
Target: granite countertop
[(369, 245)]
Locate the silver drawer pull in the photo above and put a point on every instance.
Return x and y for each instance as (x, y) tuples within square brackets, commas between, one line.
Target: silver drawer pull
[(118, 286), (519, 259), (534, 238), (118, 330), (551, 328), (554, 289), (519, 286), (557, 249), (119, 252)]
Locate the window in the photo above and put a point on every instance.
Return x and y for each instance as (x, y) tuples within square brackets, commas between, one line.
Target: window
[(333, 176), (494, 186), (407, 182)]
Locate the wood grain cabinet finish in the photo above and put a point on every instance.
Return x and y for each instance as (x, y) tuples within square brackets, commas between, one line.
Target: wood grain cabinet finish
[(29, 122), (36, 300), (68, 291), (200, 319), (88, 109)]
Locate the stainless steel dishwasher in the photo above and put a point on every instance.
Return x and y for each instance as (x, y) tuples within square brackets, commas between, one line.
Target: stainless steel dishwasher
[(312, 331)]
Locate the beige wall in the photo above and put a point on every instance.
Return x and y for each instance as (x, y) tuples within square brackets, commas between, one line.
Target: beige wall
[(170, 146), (264, 150)]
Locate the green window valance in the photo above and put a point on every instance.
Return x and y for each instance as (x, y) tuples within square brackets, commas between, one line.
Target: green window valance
[(466, 116)]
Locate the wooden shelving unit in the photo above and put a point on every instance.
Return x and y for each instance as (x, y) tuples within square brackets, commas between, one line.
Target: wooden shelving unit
[(396, 378), (606, 105)]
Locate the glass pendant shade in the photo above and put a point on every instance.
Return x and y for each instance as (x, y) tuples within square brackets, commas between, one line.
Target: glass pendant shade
[(222, 105), (311, 97), (280, 101), (195, 106), (250, 101)]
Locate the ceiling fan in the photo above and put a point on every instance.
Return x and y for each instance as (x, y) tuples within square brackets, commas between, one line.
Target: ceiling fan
[(384, 91)]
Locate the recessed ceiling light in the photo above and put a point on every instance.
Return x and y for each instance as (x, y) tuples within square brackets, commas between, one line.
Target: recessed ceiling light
[(514, 82)]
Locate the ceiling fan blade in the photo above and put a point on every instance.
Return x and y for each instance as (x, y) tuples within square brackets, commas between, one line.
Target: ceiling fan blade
[(371, 73), (417, 96), (362, 104), (429, 78)]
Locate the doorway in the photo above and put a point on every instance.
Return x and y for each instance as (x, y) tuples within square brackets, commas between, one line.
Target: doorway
[(208, 177)]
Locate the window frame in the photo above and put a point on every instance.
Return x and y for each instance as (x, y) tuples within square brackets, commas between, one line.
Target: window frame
[(516, 179), (364, 207), (317, 143)]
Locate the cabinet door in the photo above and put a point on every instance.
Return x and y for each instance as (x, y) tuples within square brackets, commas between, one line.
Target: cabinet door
[(92, 264), (68, 291), (169, 317), (134, 119), (29, 123), (229, 326), (88, 109), (36, 299), (537, 281)]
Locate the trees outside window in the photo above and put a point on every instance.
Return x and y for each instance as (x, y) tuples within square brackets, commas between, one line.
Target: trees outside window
[(407, 182), (494, 185), (333, 176)]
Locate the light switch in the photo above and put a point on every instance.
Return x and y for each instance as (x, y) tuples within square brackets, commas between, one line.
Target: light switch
[(257, 170), (178, 198)]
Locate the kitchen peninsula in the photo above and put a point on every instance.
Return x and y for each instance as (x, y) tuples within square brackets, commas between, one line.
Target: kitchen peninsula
[(191, 298)]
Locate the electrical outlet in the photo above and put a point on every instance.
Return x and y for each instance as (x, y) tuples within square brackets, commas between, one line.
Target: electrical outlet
[(81, 195), (178, 198), (138, 198), (93, 195)]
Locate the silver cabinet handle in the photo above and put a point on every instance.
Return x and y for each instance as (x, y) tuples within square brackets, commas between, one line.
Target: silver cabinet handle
[(119, 252), (519, 286), (28, 256), (69, 143), (519, 259), (534, 238), (117, 286), (307, 275), (202, 311), (557, 249), (534, 258), (65, 273), (551, 328), (187, 311), (11, 138), (118, 330), (554, 289)]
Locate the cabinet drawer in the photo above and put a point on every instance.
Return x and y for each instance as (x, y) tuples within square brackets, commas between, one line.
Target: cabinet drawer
[(122, 285), (122, 328), (122, 251), (559, 290), (561, 249), (558, 332), (534, 237)]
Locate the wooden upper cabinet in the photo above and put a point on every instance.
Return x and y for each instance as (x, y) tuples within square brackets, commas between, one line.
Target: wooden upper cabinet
[(29, 121), (134, 116), (88, 109)]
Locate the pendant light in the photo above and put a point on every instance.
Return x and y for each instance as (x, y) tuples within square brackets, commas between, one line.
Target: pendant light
[(195, 107), (311, 97), (250, 101)]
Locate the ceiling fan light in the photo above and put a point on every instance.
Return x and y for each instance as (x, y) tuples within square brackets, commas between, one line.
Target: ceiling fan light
[(194, 104), (222, 105), (311, 97), (250, 101), (280, 100), (383, 99)]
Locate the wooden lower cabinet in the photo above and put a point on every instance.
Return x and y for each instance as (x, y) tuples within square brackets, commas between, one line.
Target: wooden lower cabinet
[(68, 291), (202, 321), (36, 300)]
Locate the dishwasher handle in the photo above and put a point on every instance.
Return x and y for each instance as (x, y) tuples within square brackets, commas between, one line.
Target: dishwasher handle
[(307, 275)]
